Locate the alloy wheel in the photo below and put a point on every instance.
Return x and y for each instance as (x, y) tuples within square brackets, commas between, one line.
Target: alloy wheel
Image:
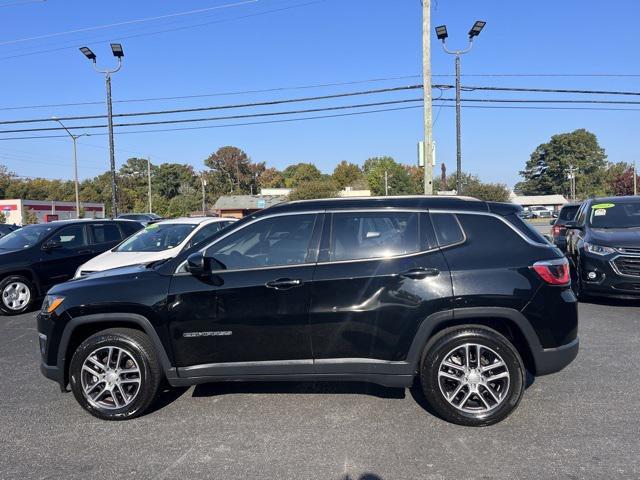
[(16, 295), (110, 378), (473, 378)]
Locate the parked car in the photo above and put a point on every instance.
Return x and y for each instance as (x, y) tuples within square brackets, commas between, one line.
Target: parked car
[(603, 244), (538, 211), (36, 257), (525, 214), (157, 241), (559, 228), (459, 293), (144, 218), (7, 229)]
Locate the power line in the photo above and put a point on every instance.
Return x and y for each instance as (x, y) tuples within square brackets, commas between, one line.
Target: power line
[(143, 34), (18, 3), (222, 107), (544, 90), (217, 94), (229, 117), (127, 22)]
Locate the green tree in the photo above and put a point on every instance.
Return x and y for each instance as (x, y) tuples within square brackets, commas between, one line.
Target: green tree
[(299, 173), (232, 171), (29, 217), (271, 178), (491, 192), (398, 179), (546, 171), (3, 219), (314, 189), (347, 174)]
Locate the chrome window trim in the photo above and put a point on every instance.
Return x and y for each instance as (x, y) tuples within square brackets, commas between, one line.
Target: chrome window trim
[(367, 210), (464, 234)]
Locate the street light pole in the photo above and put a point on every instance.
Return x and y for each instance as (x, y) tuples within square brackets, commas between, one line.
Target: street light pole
[(116, 48), (149, 181), (442, 35), (204, 194), (74, 138), (426, 82)]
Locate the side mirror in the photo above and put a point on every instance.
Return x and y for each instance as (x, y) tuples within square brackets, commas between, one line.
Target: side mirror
[(51, 245), (197, 265)]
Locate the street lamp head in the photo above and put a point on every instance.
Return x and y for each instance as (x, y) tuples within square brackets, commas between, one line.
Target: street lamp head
[(116, 48), (88, 53), (441, 32), (476, 29)]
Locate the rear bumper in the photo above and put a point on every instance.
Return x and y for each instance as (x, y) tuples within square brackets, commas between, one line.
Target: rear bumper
[(551, 360)]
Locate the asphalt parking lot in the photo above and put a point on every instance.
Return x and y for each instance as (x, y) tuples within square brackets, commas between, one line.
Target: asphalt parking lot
[(580, 423)]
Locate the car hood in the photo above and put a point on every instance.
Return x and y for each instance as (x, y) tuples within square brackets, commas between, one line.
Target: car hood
[(109, 259), (615, 237)]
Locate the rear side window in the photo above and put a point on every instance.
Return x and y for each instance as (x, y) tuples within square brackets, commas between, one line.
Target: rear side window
[(525, 228), (106, 233), (568, 213), (489, 235), (447, 228), (358, 235)]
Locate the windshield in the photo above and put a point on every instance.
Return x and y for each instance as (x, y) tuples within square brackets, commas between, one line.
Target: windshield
[(157, 237), (25, 237), (615, 215)]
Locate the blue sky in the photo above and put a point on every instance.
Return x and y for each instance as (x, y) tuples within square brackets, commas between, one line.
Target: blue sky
[(250, 47)]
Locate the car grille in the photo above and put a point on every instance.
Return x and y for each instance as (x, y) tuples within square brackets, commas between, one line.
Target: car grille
[(630, 250), (628, 265)]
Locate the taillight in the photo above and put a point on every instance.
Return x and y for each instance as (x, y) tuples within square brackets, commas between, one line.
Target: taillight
[(554, 272), (556, 230)]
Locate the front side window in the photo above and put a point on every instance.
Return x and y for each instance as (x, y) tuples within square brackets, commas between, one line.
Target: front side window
[(358, 235), (70, 237), (157, 237), (276, 241)]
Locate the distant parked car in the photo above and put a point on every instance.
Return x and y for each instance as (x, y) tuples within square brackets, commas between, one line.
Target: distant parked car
[(144, 218), (526, 214), (538, 211), (603, 245), (559, 229), (36, 257), (7, 229), (158, 241)]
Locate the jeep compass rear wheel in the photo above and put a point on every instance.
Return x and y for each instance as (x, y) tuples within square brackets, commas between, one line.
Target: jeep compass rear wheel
[(115, 374), (473, 376)]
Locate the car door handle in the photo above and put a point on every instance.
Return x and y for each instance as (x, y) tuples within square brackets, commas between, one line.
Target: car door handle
[(284, 283), (420, 273)]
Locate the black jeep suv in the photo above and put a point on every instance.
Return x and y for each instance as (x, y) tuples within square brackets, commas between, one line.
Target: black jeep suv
[(456, 292)]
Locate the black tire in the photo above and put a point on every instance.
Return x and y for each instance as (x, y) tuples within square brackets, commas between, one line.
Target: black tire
[(139, 346), (441, 346), (13, 280)]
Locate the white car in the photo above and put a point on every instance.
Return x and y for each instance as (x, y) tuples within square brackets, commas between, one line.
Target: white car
[(157, 241)]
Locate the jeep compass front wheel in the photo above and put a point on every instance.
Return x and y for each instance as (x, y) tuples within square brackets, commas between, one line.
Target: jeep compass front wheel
[(115, 374), (473, 376)]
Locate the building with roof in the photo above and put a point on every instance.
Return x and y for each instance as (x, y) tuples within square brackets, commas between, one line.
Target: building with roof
[(554, 202), (238, 206), (47, 210)]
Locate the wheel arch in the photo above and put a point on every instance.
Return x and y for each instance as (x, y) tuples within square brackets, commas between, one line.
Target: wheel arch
[(509, 322), (80, 328)]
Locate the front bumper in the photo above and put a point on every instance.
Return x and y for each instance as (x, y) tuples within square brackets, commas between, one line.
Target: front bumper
[(609, 280)]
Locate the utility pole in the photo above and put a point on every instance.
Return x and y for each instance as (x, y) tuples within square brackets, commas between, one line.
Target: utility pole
[(571, 175), (149, 181), (635, 179), (74, 138), (426, 81), (117, 51), (386, 183), (204, 195), (441, 33)]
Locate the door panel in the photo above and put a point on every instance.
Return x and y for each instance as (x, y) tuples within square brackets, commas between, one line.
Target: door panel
[(372, 308), (58, 265), (254, 306)]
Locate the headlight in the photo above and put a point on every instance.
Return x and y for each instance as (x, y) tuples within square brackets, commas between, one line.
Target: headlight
[(598, 249), (51, 302)]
